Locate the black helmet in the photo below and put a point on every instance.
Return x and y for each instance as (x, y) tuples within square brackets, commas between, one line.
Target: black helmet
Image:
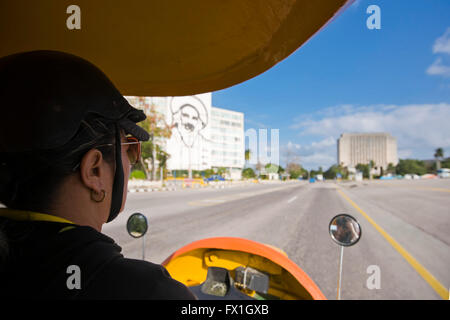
[(49, 93), (45, 96)]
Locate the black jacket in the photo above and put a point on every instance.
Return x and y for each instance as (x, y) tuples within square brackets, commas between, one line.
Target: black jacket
[(46, 260)]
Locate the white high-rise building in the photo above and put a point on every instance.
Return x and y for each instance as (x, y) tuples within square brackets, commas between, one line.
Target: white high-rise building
[(227, 140), (203, 137), (361, 148)]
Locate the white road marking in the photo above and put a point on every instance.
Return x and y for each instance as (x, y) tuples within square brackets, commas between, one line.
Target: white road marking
[(215, 201), (292, 199)]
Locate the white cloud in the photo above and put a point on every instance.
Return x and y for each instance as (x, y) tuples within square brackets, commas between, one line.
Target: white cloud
[(293, 146), (325, 143), (442, 44), (356, 4), (252, 124), (404, 153), (437, 68), (311, 155), (419, 130), (425, 124)]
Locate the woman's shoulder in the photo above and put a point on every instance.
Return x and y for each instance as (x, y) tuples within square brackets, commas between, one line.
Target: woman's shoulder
[(126, 278), (117, 277)]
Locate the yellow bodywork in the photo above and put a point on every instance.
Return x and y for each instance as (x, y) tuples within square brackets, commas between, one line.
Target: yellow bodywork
[(191, 269), (167, 48)]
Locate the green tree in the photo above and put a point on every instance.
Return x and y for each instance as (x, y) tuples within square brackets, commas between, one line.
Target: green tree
[(137, 174), (364, 168), (411, 166), (272, 167), (248, 154), (221, 171), (446, 163), (438, 155), (295, 170), (331, 172), (334, 170), (372, 165), (208, 172), (248, 173), (391, 169), (162, 158), (159, 130)]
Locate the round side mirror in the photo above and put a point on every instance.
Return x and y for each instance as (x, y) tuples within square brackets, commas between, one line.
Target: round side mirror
[(137, 225), (345, 230)]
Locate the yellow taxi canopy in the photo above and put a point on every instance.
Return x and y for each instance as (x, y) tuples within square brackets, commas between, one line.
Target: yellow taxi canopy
[(167, 48)]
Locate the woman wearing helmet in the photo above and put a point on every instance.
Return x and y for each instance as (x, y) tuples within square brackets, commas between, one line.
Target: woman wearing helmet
[(67, 141)]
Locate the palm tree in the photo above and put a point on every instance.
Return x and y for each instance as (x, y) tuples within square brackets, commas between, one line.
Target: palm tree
[(438, 155), (371, 167), (247, 156)]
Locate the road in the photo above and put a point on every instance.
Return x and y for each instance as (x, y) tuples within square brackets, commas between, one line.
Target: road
[(405, 230)]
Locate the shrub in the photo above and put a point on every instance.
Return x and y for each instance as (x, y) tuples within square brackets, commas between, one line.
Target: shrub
[(248, 173), (137, 174)]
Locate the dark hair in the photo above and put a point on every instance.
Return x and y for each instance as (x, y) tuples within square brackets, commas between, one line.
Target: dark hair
[(30, 180)]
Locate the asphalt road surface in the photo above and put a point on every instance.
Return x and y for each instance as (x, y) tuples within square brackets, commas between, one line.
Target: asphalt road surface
[(405, 230)]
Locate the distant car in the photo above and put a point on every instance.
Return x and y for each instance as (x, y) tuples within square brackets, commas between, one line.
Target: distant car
[(411, 176), (215, 177), (444, 173), (312, 180)]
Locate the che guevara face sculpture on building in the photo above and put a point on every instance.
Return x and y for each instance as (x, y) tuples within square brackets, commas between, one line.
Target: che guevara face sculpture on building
[(189, 118)]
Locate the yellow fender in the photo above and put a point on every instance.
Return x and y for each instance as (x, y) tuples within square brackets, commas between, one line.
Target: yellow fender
[(288, 281)]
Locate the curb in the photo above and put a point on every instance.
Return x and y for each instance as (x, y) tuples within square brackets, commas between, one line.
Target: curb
[(171, 188), (133, 190)]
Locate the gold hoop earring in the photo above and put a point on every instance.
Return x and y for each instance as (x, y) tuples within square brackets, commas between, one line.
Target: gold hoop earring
[(95, 198)]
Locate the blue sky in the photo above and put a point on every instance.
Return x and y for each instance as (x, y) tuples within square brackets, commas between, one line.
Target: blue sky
[(348, 78)]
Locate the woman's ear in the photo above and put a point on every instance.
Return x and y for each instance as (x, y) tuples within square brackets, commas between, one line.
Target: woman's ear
[(92, 170)]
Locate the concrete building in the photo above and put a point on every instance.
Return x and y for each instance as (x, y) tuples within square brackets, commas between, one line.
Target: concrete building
[(203, 136), (227, 141), (355, 148)]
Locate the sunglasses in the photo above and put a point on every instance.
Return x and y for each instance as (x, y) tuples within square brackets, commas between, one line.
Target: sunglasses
[(133, 152)]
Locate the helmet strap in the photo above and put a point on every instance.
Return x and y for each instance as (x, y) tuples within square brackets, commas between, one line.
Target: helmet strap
[(117, 192)]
